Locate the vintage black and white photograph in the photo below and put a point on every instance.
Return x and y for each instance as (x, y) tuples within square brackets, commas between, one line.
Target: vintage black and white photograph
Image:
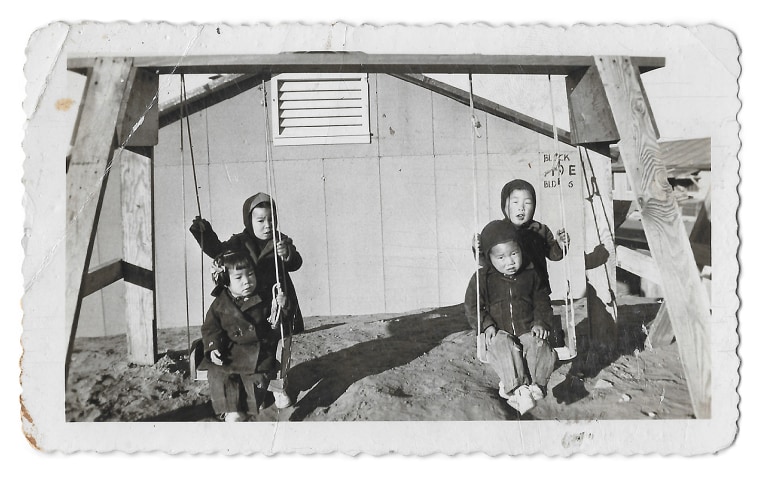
[(524, 235)]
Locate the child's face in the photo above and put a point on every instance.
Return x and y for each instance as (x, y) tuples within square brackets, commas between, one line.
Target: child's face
[(242, 282), (506, 257), (520, 207), (261, 222)]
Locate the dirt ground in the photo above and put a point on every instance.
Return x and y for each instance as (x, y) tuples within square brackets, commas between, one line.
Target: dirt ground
[(418, 366)]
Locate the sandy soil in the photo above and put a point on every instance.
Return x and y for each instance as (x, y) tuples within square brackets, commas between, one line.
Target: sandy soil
[(415, 366)]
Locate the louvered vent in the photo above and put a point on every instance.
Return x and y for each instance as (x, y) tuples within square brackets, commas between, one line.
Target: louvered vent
[(313, 108)]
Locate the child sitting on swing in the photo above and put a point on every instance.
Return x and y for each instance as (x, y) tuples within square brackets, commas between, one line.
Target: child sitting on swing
[(240, 338), (518, 203), (515, 312)]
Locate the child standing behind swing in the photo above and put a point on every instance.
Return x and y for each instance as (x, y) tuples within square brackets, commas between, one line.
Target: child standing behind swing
[(240, 338), (258, 239), (514, 316)]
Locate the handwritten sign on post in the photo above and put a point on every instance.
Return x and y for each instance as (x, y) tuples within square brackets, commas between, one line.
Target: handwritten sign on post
[(558, 168), (560, 200)]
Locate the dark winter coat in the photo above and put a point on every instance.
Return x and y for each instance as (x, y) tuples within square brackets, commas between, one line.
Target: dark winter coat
[(263, 256), (538, 244), (241, 333)]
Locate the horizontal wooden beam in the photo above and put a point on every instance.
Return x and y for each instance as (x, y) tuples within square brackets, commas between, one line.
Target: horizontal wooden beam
[(212, 93), (359, 62), (113, 271), (493, 108), (638, 263), (678, 155), (102, 276), (139, 276)]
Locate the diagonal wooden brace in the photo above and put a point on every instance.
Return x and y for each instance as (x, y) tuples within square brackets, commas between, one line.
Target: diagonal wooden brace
[(87, 175), (685, 297)]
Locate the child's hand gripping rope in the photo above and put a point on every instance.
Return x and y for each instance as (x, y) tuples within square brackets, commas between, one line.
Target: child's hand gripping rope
[(564, 239), (279, 302), (283, 250), (489, 334)]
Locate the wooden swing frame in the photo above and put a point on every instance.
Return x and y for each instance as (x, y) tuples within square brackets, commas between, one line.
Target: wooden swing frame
[(119, 115)]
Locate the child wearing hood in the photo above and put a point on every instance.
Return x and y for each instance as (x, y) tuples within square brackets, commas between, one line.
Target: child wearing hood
[(258, 239), (240, 337), (518, 203), (515, 313)]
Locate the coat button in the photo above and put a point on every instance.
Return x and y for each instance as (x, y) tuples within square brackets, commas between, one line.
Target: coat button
[(250, 327)]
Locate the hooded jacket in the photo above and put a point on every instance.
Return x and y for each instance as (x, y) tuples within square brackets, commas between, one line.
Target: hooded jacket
[(537, 241), (262, 253), (510, 303)]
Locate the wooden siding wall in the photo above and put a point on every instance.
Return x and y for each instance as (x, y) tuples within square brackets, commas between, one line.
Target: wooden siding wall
[(382, 227)]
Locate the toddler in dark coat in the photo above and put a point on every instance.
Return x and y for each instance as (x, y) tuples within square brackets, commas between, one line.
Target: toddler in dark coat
[(515, 313), (240, 337)]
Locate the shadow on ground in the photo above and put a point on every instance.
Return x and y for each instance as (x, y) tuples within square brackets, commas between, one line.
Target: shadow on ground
[(602, 342), (326, 378)]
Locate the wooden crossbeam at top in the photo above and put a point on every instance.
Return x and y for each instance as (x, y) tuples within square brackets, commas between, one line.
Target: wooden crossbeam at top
[(359, 62)]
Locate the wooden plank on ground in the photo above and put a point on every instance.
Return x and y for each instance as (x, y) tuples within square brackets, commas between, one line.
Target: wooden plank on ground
[(137, 218), (87, 176), (686, 299)]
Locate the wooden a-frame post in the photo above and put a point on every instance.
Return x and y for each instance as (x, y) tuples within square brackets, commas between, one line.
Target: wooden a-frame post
[(615, 105), (118, 121)]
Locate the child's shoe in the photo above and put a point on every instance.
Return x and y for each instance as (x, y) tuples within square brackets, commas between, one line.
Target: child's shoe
[(281, 399), (536, 392), (503, 393), (235, 417), (521, 400)]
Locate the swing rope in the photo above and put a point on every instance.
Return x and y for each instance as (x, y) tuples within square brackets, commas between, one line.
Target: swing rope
[(184, 113), (275, 224), (593, 189), (184, 208), (480, 345), (569, 310)]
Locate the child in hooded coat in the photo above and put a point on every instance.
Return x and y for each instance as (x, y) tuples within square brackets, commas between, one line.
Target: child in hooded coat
[(258, 239), (518, 204), (515, 313)]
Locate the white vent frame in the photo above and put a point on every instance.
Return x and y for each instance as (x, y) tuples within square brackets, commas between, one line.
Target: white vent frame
[(320, 108)]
